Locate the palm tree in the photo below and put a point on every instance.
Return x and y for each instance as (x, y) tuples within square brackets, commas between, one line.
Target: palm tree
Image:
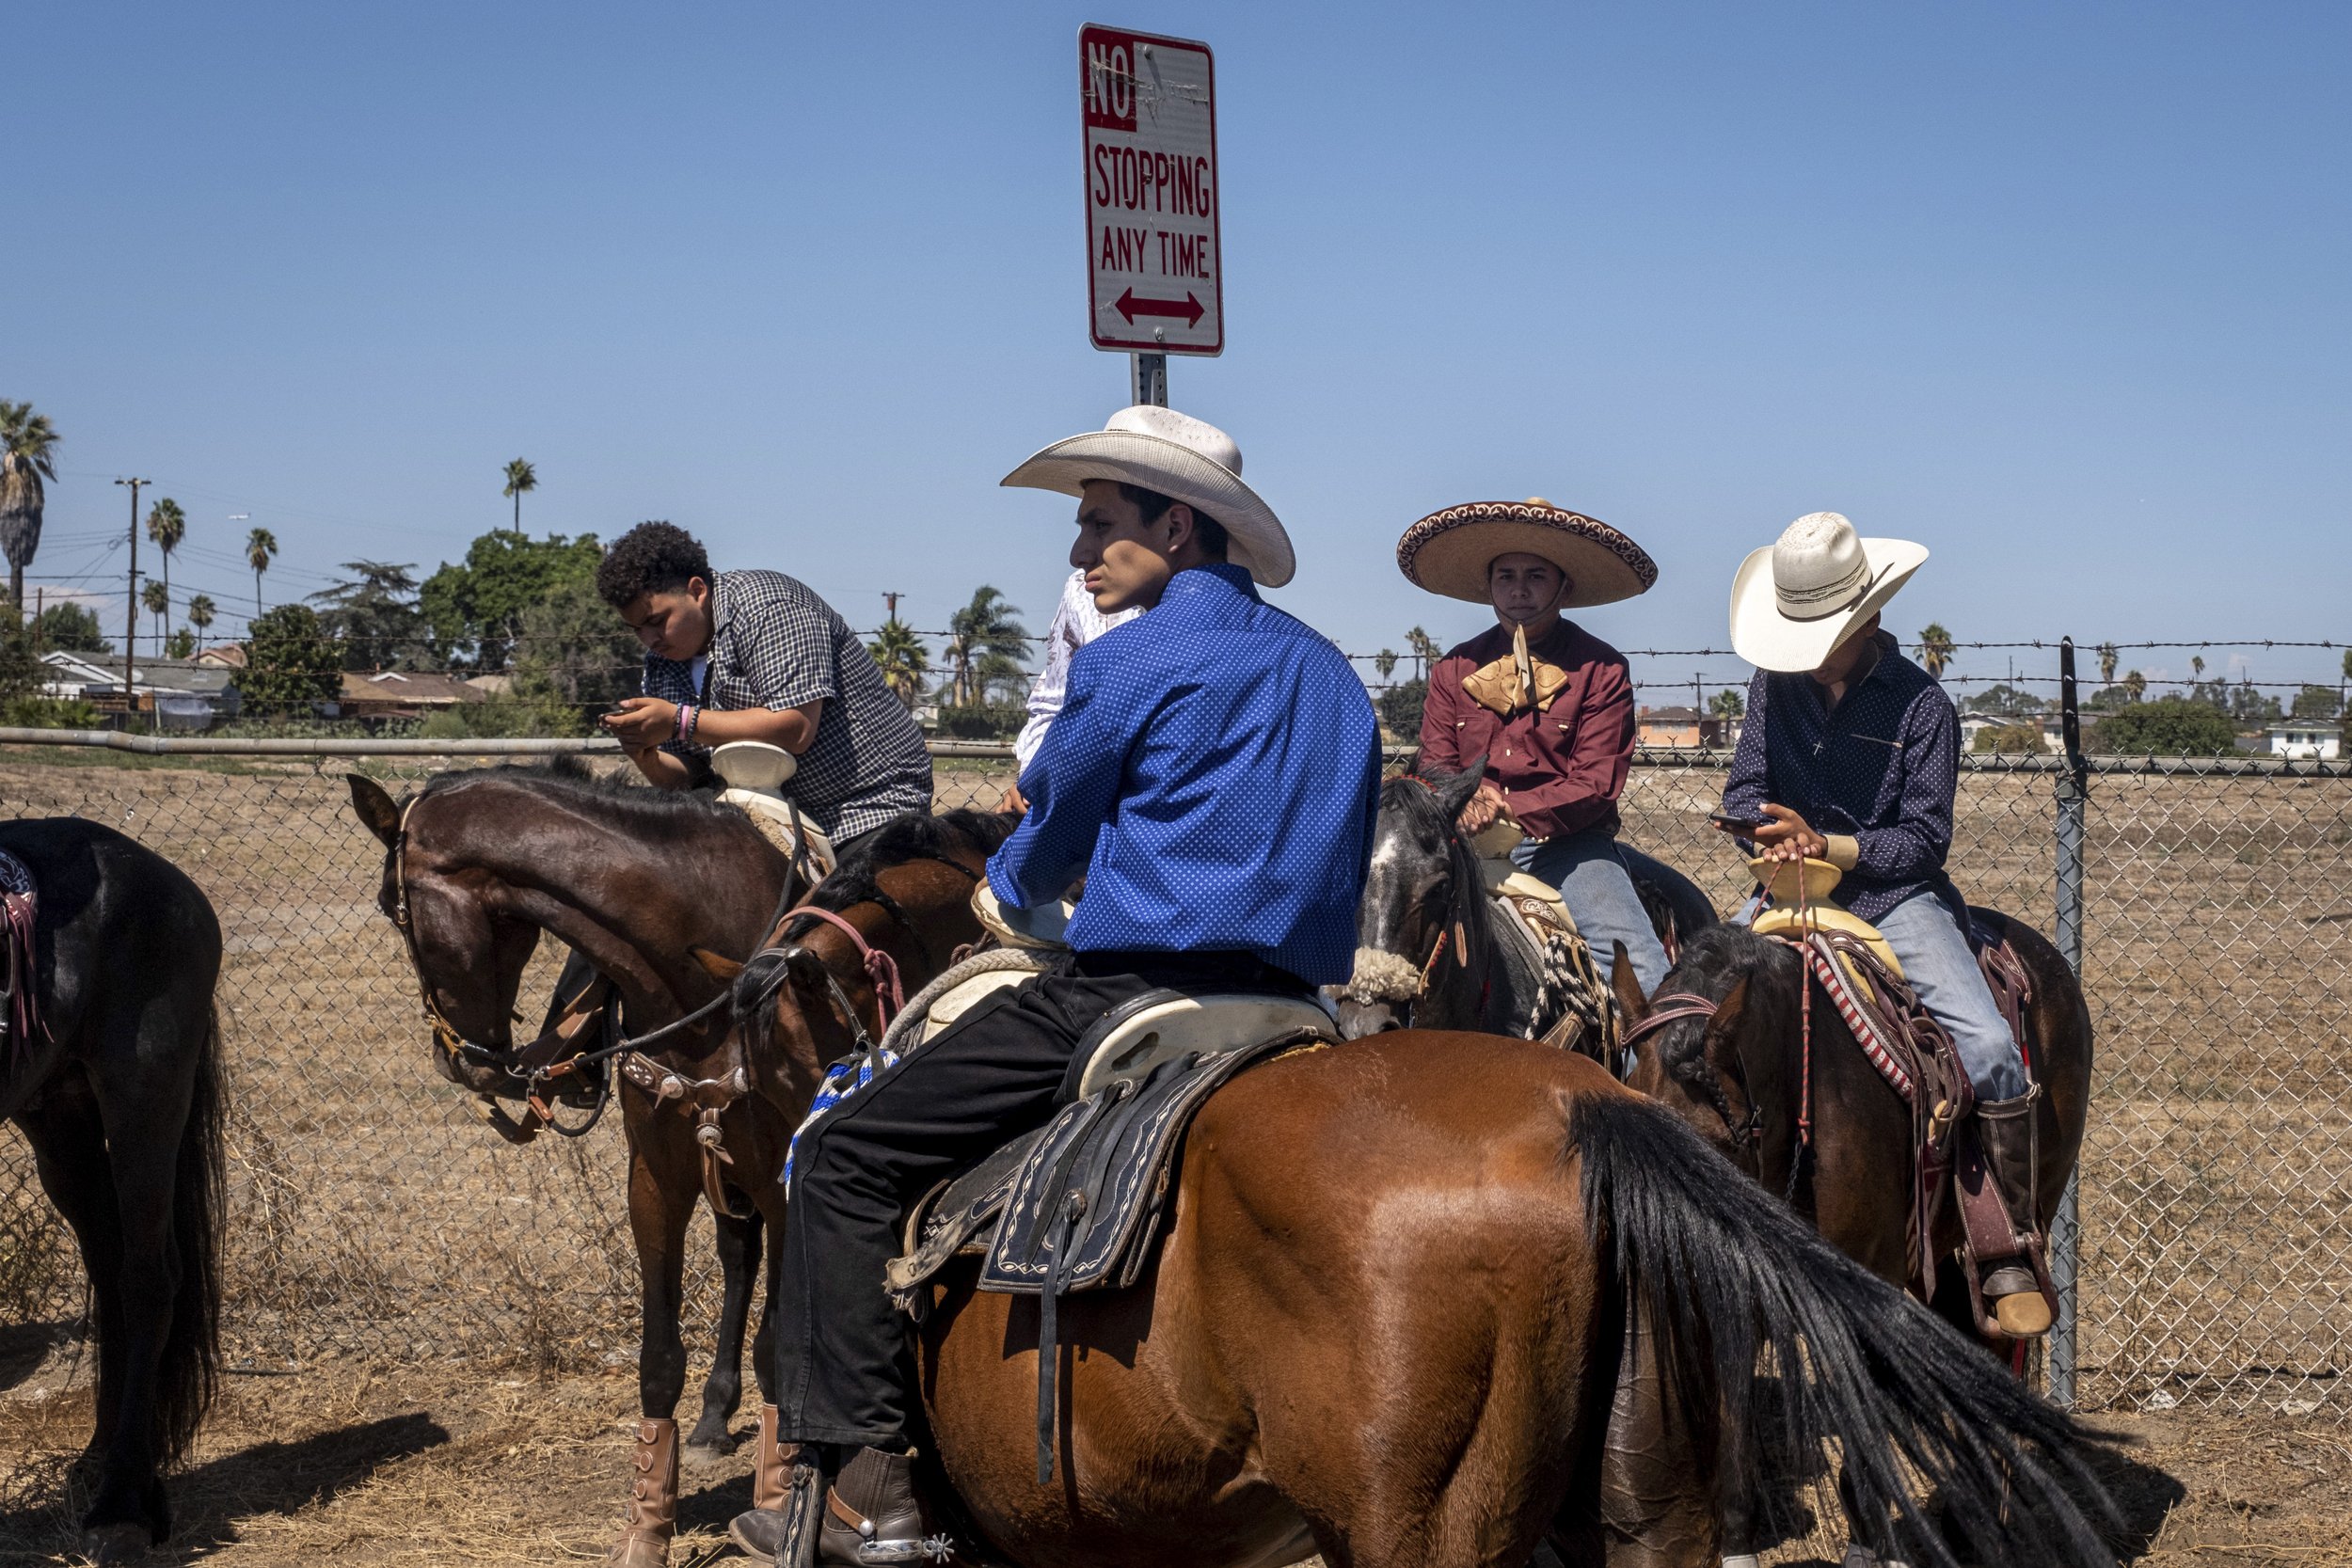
[(2196, 666), (167, 525), (1425, 648), (1384, 661), (28, 446), (520, 476), (1935, 649), (200, 615), (258, 546), (986, 643), (2106, 663), (902, 658), (157, 598), (2135, 684)]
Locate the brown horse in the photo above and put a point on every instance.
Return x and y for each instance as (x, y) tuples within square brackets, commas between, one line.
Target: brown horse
[(1430, 1299), (651, 887), (1736, 1079)]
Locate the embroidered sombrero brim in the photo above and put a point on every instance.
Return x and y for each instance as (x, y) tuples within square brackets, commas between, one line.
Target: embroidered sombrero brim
[(1446, 552)]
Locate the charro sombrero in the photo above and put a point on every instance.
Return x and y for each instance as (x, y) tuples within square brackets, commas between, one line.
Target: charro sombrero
[(1178, 456), (1446, 552), (1794, 601)]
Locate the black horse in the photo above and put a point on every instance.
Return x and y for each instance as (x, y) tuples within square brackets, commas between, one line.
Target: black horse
[(116, 1086), (1431, 952)]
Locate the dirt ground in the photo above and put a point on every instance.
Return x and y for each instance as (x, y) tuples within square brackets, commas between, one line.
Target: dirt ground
[(418, 1467)]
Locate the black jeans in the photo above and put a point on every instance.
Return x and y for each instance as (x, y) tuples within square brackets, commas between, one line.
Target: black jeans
[(840, 1345)]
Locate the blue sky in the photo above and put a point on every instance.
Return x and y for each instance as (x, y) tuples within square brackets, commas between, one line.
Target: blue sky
[(2058, 289)]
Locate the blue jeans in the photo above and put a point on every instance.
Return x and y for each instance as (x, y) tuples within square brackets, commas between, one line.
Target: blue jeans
[(1589, 870), (1942, 968)]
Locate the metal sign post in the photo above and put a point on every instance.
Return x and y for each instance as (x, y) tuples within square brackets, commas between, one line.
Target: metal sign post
[(1156, 276)]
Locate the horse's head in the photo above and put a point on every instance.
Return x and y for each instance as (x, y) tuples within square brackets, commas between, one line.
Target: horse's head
[(1709, 1045), (468, 949), (1421, 881)]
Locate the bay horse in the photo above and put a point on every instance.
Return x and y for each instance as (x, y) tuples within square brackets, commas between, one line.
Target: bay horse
[(656, 888), (116, 1083), (1431, 951), (1736, 1071), (1430, 1299)]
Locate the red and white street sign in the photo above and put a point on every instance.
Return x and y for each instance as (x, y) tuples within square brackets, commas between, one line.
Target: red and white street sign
[(1155, 279)]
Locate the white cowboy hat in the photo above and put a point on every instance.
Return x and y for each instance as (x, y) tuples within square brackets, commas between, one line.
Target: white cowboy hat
[(1448, 552), (1793, 602), (1184, 458)]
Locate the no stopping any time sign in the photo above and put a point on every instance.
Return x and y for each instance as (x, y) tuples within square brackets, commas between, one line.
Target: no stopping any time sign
[(1155, 278)]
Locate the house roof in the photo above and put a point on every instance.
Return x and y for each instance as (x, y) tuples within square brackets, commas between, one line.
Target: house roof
[(155, 674), (230, 654), (1670, 716), (407, 686)]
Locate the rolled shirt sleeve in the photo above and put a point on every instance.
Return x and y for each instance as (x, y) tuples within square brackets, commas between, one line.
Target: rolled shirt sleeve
[(789, 663)]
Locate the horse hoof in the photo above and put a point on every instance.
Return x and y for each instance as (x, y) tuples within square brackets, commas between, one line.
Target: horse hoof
[(701, 1455), (111, 1544)]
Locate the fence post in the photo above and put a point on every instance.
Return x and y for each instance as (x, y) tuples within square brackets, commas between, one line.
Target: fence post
[(2073, 797)]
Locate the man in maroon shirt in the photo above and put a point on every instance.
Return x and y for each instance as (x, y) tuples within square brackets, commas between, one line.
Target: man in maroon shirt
[(1548, 704)]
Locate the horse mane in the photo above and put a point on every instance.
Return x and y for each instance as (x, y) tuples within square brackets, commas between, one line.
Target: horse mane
[(639, 810), (916, 836), (1413, 797), (1714, 958)]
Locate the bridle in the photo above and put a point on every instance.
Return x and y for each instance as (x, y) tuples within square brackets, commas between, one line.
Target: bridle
[(1670, 1007)]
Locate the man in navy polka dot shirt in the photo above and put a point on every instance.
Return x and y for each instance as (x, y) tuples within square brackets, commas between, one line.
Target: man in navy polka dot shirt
[(1850, 752)]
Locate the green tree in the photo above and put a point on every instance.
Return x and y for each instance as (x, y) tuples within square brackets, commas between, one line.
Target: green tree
[(2196, 666), (71, 627), (1935, 649), (200, 613), (2167, 728), (1400, 708), (521, 478), (260, 547), (2249, 707), (167, 525), (1728, 704), (2316, 702), (474, 608), (2007, 701), (289, 662), (1425, 650), (156, 599), (373, 614), (2009, 739), (180, 644), (574, 653), (2134, 685), (2107, 661), (902, 658), (28, 445), (986, 645), (1384, 661)]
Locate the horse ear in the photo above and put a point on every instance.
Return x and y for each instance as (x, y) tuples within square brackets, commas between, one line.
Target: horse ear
[(1727, 1012), (376, 811), (1453, 793), (1626, 983), (717, 965)]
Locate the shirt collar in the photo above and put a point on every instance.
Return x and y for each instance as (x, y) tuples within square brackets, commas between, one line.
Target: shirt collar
[(1212, 578), (720, 613)]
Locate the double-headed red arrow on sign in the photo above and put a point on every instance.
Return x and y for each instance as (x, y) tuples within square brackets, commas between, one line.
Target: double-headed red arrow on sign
[(1189, 308)]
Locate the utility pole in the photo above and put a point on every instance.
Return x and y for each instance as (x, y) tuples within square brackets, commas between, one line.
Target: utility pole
[(892, 601), (131, 620)]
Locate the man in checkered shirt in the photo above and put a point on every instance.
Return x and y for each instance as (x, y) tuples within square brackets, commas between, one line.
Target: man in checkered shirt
[(757, 656)]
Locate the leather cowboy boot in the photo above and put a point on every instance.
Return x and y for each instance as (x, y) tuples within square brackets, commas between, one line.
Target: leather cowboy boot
[(2005, 1132), (872, 1516), (651, 1512), (771, 1466)]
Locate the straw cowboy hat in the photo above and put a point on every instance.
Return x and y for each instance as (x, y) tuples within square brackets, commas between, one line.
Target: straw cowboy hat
[(1448, 552), (1187, 459), (1793, 602)]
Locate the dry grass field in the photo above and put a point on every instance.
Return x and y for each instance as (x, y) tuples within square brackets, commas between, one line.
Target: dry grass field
[(432, 1330)]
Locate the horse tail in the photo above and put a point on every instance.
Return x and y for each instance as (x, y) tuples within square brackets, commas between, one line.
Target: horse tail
[(191, 1360), (1718, 1271)]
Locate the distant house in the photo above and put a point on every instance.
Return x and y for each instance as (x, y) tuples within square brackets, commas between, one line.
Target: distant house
[(1975, 724), (1683, 727), (229, 656), (2306, 739), (181, 693), (492, 685), (400, 694)]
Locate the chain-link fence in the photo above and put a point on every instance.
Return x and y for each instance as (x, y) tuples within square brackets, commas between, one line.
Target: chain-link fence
[(372, 1214)]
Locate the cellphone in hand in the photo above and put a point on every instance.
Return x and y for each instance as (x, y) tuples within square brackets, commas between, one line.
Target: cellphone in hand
[(1736, 824)]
